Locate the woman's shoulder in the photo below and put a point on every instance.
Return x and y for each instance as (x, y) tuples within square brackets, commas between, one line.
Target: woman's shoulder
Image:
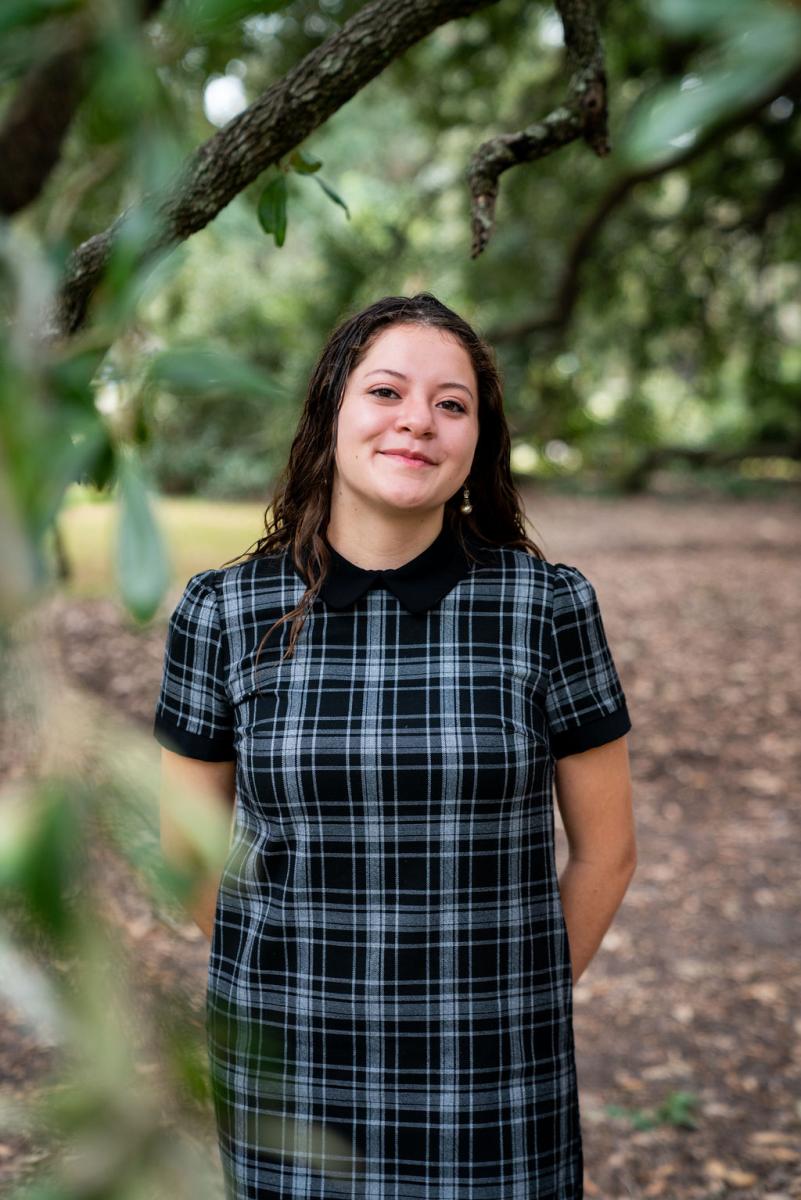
[(261, 578), (519, 559), (516, 568)]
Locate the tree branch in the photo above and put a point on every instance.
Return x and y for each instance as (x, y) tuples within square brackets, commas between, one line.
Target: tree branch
[(277, 121), (567, 290), (583, 114)]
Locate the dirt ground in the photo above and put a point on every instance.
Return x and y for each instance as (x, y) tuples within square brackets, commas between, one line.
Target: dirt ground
[(687, 1021)]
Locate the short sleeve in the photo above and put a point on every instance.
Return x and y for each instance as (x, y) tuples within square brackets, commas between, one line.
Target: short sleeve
[(194, 715), (585, 702)]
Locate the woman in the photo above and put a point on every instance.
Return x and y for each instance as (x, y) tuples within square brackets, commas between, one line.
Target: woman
[(390, 683)]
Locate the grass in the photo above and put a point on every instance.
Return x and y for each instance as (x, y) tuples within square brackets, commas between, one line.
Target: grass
[(199, 534)]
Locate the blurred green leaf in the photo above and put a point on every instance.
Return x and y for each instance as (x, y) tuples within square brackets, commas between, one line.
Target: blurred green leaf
[(685, 17), (124, 90), (669, 121), (47, 444), (71, 377), (272, 208), (99, 469), (131, 240), (142, 564), (42, 854), (757, 46), (202, 371), (29, 12), (329, 191), (204, 17)]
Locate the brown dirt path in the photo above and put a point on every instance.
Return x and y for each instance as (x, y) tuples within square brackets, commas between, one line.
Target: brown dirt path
[(696, 990)]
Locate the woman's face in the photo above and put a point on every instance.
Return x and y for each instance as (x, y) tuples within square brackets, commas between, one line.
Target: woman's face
[(415, 390)]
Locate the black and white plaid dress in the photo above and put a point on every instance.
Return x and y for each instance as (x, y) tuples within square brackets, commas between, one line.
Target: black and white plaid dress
[(389, 1001)]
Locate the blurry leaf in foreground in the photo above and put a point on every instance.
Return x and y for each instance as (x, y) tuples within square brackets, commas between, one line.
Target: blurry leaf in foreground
[(685, 17), (204, 17), (758, 45), (29, 12), (46, 448), (25, 986), (124, 89), (24, 567), (113, 1129), (130, 261), (71, 374), (142, 566), (42, 854), (204, 371)]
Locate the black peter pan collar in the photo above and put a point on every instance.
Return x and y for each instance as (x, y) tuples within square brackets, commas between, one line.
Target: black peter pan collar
[(419, 584)]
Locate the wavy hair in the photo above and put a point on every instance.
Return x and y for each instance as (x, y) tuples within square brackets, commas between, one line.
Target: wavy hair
[(299, 512)]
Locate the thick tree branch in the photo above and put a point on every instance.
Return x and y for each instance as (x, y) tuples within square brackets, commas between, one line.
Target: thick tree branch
[(583, 114), (282, 116), (568, 288), (41, 111)]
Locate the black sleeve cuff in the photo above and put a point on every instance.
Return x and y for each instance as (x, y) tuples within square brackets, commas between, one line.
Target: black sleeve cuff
[(594, 733), (193, 745)]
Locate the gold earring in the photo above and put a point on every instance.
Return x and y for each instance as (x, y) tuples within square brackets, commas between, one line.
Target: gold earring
[(466, 507)]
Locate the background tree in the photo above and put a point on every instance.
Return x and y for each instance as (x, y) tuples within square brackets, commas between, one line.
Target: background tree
[(643, 301)]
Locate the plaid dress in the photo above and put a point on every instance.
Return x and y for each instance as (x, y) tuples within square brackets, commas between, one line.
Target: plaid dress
[(389, 999)]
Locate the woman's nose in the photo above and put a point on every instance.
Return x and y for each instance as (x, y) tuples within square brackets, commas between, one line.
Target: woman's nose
[(415, 413)]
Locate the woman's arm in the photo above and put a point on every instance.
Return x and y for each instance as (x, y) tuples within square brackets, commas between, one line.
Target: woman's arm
[(593, 790), (199, 797)]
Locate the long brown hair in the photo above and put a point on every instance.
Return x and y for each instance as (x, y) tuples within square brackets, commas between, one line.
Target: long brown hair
[(299, 513)]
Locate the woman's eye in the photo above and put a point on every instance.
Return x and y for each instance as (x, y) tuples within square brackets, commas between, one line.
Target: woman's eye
[(377, 391)]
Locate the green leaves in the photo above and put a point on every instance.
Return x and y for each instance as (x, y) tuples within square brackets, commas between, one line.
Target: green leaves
[(201, 370), (14, 13), (753, 45), (47, 445), (42, 854), (272, 206), (203, 18), (142, 566)]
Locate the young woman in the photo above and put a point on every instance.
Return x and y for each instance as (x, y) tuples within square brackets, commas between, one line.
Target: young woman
[(388, 685)]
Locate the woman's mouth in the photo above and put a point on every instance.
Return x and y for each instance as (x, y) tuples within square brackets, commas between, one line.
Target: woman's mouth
[(405, 458)]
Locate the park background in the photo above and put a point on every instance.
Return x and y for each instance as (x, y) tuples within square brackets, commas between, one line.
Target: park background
[(192, 194)]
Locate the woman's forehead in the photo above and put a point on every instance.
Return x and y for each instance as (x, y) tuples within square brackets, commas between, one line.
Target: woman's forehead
[(398, 350)]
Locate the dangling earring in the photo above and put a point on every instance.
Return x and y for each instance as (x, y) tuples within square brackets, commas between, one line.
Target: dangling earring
[(466, 506)]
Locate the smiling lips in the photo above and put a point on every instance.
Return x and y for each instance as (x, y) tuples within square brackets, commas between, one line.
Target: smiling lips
[(411, 457)]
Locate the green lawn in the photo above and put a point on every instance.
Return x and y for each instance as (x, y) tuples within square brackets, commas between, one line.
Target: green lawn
[(199, 534)]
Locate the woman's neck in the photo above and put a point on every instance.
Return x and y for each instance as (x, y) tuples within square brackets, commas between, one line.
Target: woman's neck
[(377, 544)]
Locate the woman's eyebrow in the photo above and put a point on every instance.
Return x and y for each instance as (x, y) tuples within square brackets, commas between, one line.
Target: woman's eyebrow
[(448, 383)]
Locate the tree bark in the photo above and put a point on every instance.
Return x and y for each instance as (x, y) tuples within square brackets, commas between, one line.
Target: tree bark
[(274, 124), (582, 114)]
